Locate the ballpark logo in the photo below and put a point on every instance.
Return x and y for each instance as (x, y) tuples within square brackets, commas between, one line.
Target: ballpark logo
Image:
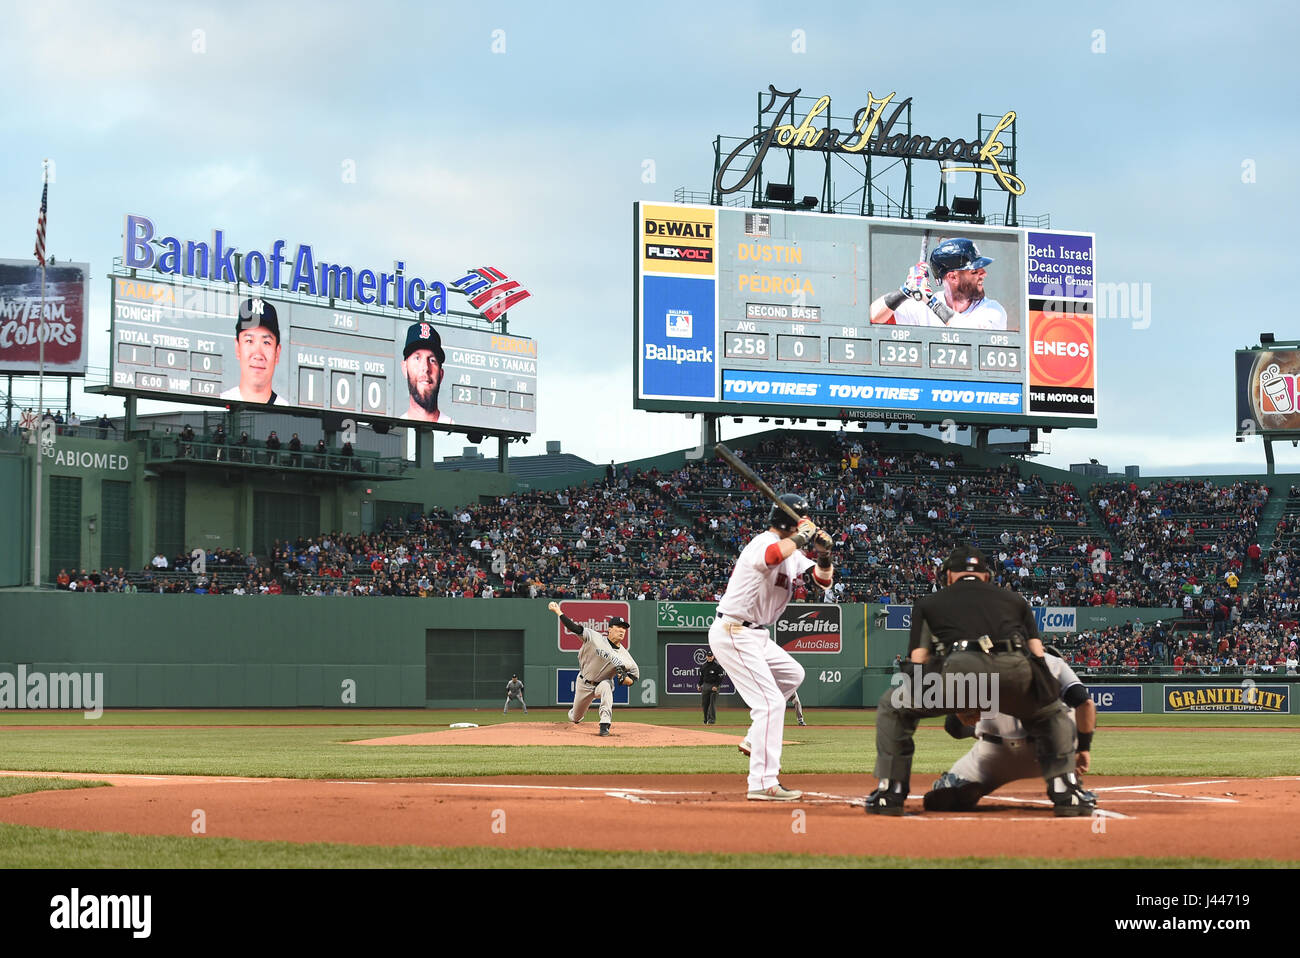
[(490, 291), (675, 354), (810, 629), (591, 615), (679, 324)]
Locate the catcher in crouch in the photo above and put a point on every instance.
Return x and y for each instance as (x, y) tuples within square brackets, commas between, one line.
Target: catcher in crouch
[(601, 663)]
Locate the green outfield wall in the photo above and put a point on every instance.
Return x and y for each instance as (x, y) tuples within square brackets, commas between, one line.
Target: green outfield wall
[(193, 651)]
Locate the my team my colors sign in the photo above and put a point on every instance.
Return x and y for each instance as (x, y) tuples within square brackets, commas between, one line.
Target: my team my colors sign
[(1248, 697), (590, 615)]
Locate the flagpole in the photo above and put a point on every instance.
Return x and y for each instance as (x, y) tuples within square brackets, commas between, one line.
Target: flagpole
[(40, 407)]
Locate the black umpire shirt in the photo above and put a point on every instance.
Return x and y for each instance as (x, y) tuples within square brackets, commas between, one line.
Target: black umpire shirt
[(711, 674), (968, 609)]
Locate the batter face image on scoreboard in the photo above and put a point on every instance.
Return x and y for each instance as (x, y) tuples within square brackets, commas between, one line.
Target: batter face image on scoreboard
[(211, 344), (829, 315)]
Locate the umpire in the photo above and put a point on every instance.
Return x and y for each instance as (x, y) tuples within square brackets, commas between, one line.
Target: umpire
[(974, 630), (710, 679)]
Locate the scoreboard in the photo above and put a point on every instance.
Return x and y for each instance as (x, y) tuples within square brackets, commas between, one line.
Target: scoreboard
[(761, 312), (177, 341)]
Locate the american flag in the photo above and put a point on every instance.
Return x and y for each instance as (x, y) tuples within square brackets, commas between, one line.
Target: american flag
[(40, 223)]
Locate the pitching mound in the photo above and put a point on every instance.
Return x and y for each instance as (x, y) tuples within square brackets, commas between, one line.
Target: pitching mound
[(621, 735)]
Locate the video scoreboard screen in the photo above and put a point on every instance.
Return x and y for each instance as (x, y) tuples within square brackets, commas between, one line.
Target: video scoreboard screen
[(179, 341), (772, 313)]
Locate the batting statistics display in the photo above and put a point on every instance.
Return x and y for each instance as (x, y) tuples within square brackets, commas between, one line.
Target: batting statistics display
[(220, 346), (804, 314)]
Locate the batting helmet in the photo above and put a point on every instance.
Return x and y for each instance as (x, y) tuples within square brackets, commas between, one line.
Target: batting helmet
[(778, 519), (966, 558), (956, 254), (1053, 650)]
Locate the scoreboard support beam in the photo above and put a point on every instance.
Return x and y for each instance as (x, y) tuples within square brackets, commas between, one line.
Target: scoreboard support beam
[(1268, 455), (503, 454), (424, 448)]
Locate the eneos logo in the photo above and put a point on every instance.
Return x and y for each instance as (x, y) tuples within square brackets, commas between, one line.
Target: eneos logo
[(1061, 353)]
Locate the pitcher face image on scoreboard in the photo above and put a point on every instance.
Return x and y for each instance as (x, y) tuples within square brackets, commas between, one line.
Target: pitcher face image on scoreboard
[(257, 353)]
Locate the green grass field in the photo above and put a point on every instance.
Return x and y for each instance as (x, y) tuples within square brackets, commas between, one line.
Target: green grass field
[(314, 744)]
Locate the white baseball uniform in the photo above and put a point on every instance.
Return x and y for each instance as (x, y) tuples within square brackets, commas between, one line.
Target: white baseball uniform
[(763, 673), (982, 314)]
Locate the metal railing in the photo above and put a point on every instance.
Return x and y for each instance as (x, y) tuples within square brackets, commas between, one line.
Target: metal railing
[(175, 449)]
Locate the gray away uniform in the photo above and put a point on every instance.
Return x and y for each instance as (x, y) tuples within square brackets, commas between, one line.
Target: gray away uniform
[(597, 660), (515, 690), (1003, 752)]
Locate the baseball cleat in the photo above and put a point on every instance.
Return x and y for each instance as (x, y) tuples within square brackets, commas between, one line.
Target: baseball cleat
[(604, 728), (802, 722), (951, 794), (776, 793), (745, 747), (887, 799), (569, 714), (1069, 798)]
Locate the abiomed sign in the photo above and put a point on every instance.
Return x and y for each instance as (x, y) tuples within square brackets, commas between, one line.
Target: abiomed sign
[(872, 133)]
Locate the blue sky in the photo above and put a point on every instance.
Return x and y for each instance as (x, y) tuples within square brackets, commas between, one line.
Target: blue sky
[(531, 159)]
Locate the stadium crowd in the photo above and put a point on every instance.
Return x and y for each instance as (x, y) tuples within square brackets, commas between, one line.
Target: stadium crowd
[(673, 535)]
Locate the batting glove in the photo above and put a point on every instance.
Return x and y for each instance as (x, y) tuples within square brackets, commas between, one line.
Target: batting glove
[(917, 284)]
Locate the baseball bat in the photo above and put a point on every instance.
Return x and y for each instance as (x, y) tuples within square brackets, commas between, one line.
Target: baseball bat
[(742, 470)]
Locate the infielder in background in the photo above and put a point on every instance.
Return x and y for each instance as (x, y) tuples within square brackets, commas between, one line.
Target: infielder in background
[(765, 674), (798, 708), (957, 266), (601, 663), (514, 690), (1003, 751)]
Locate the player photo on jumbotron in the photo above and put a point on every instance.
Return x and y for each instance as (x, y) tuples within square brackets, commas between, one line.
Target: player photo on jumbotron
[(257, 354), (945, 278)]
